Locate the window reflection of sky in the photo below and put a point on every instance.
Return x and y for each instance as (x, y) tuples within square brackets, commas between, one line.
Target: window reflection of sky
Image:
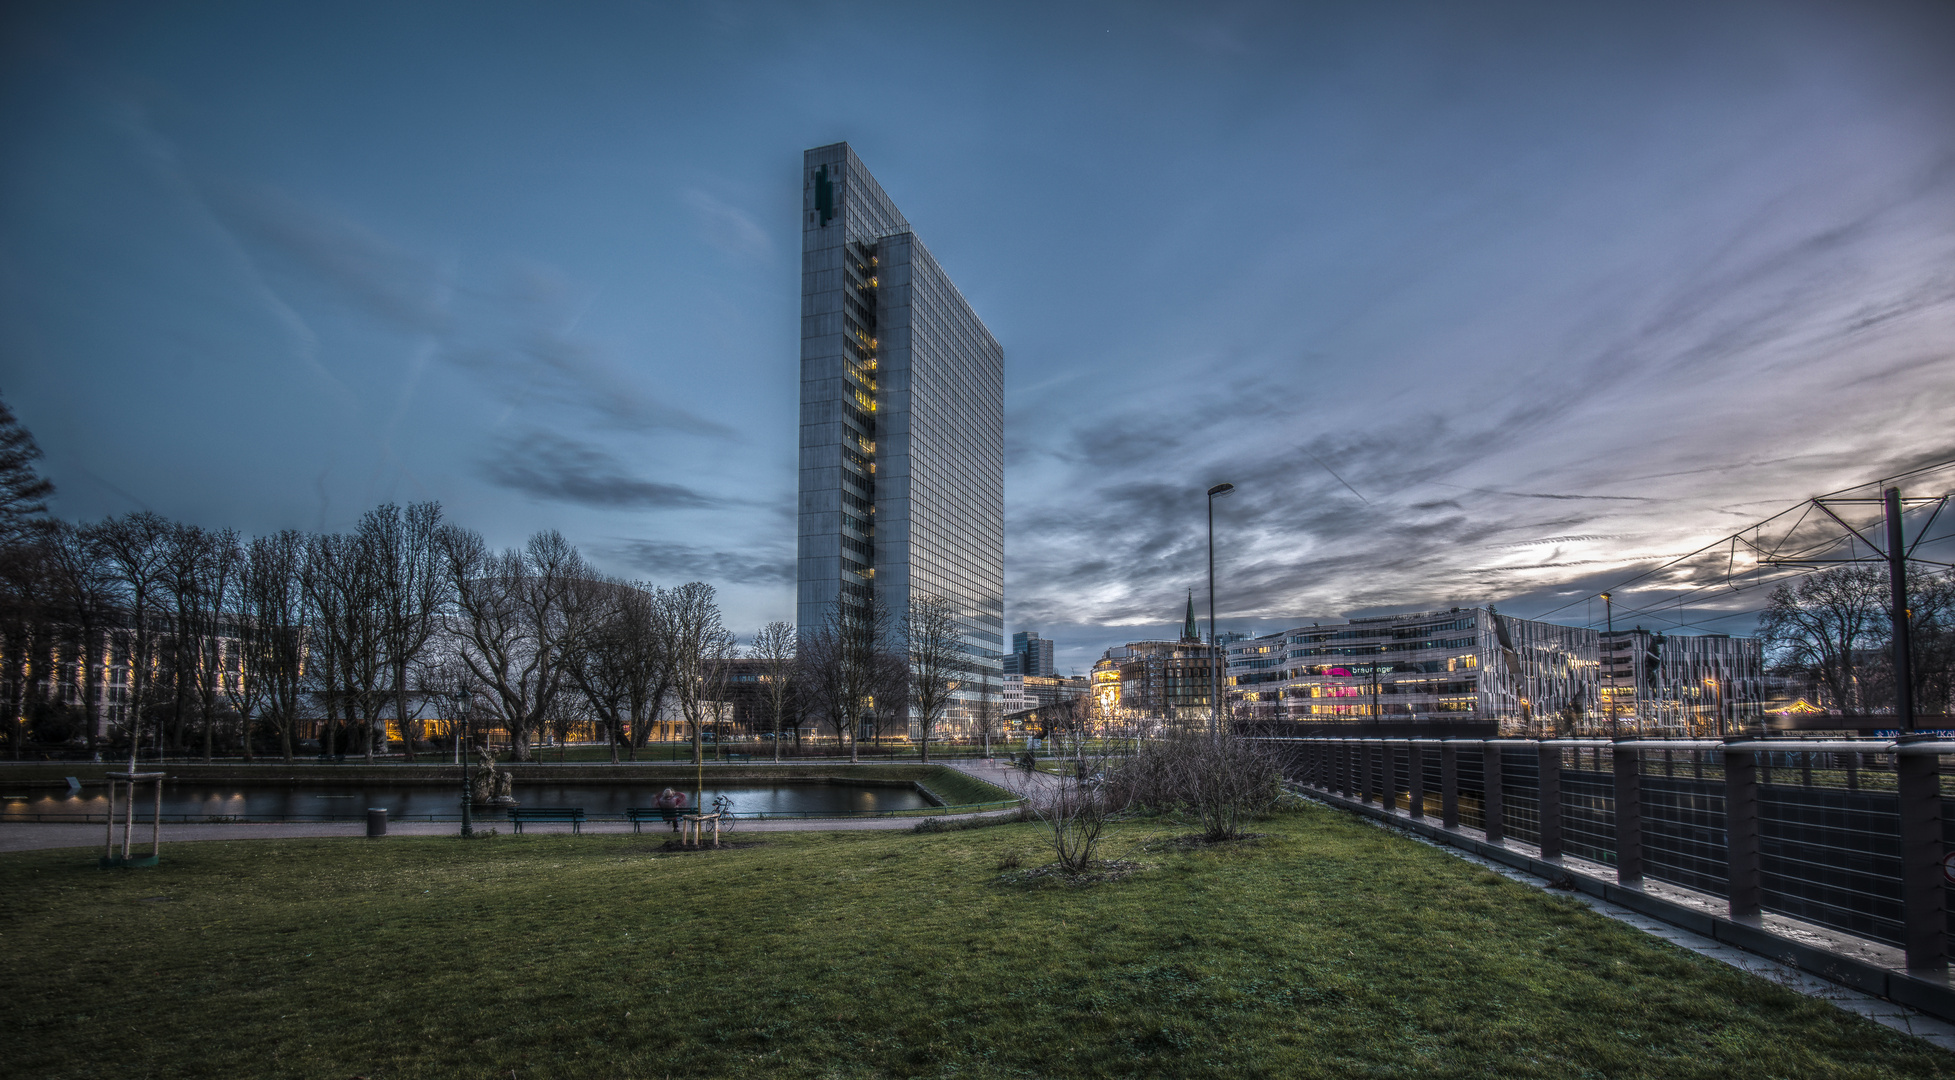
[(422, 802)]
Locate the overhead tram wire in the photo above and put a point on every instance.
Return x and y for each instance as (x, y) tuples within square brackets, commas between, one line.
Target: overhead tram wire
[(1804, 507)]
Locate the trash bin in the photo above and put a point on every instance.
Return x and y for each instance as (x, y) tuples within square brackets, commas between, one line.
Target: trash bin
[(376, 821)]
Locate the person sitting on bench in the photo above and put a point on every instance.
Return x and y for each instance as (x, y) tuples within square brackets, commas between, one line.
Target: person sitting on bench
[(672, 802)]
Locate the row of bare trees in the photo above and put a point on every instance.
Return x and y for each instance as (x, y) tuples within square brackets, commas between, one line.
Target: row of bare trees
[(205, 640), (863, 667), (1833, 630), (201, 641)]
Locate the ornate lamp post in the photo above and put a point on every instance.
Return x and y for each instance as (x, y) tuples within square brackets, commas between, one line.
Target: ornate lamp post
[(468, 795), (1214, 647)]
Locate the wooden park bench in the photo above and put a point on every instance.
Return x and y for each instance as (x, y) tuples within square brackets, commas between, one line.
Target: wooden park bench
[(638, 815), (573, 814)]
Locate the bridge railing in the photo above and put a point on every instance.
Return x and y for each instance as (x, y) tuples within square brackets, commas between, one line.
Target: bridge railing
[(1846, 834)]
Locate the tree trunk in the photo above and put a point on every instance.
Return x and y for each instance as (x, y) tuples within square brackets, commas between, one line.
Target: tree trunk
[(90, 690), (400, 707)]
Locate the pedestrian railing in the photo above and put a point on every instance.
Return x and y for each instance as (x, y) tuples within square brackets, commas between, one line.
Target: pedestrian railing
[(1847, 834)]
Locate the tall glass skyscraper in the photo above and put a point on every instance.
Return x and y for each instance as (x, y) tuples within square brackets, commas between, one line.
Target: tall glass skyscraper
[(902, 419)]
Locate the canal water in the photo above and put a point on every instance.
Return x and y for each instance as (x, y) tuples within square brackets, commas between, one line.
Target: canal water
[(421, 802)]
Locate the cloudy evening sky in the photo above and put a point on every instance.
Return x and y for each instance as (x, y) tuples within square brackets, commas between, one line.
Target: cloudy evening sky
[(1473, 302)]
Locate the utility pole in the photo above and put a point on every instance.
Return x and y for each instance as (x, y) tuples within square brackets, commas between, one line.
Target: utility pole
[(1897, 603), (1609, 615), (1214, 646)]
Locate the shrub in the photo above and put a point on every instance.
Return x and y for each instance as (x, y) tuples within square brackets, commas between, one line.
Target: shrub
[(1224, 780)]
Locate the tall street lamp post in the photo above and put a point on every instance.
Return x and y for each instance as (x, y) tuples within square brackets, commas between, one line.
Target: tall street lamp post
[(1609, 620), (461, 736), (1214, 646)]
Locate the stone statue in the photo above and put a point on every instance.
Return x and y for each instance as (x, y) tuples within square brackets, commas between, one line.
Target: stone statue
[(492, 786)]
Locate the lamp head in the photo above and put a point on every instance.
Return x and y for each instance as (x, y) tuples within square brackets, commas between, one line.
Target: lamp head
[(1220, 490)]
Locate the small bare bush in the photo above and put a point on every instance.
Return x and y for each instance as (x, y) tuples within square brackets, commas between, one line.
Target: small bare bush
[(1076, 812), (1224, 780)]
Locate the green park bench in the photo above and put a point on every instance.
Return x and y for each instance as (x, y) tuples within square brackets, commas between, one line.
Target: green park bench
[(638, 815), (518, 815)]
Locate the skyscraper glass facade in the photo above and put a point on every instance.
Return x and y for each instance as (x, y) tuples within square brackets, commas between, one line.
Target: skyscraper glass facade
[(902, 419)]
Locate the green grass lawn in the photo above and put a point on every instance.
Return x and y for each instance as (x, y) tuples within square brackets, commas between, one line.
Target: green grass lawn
[(1329, 948)]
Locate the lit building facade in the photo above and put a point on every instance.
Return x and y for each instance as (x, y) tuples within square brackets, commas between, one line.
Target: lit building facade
[(1685, 685), (1170, 681), (1466, 667), (902, 423)]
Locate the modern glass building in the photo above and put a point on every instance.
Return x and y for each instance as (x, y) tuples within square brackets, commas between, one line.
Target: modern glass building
[(1458, 668), (902, 420), (1030, 655)]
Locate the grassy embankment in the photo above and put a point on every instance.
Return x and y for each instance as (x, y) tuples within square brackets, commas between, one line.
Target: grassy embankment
[(1329, 948)]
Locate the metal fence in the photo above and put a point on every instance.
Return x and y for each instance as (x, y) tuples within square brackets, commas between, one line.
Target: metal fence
[(1845, 834)]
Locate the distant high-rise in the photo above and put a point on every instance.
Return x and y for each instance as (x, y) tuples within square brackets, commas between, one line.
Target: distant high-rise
[(1032, 654), (902, 418)]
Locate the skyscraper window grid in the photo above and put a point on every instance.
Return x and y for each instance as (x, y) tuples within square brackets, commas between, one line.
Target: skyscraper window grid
[(902, 419)]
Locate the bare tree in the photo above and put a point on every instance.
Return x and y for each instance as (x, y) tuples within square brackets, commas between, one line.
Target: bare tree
[(347, 604), (818, 674), (134, 548), (185, 550), (1077, 810), (1932, 633), (702, 652), (512, 621), (85, 596), (889, 693), (1826, 627), (1224, 779), (774, 648), (414, 591), (273, 633), (216, 602), (987, 712), (843, 664), (608, 661), (26, 629), (939, 663), (23, 490)]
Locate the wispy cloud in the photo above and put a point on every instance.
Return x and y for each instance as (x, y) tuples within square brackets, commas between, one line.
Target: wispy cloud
[(670, 561), (551, 467), (727, 227)]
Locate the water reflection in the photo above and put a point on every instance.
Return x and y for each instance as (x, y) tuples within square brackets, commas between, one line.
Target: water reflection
[(422, 802)]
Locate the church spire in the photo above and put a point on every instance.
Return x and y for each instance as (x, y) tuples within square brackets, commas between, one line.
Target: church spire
[(1189, 631)]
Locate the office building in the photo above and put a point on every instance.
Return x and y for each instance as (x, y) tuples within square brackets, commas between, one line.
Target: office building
[(1030, 655), (1683, 685), (902, 422), (1466, 669)]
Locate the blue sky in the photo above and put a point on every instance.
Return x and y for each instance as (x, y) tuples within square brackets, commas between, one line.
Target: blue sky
[(1472, 302)]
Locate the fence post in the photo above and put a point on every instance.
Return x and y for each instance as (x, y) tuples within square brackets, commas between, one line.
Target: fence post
[(1367, 781), (1550, 787), (1491, 793), (1747, 889), (1629, 814), (1415, 778), (1344, 768), (1923, 926), (1448, 784)]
